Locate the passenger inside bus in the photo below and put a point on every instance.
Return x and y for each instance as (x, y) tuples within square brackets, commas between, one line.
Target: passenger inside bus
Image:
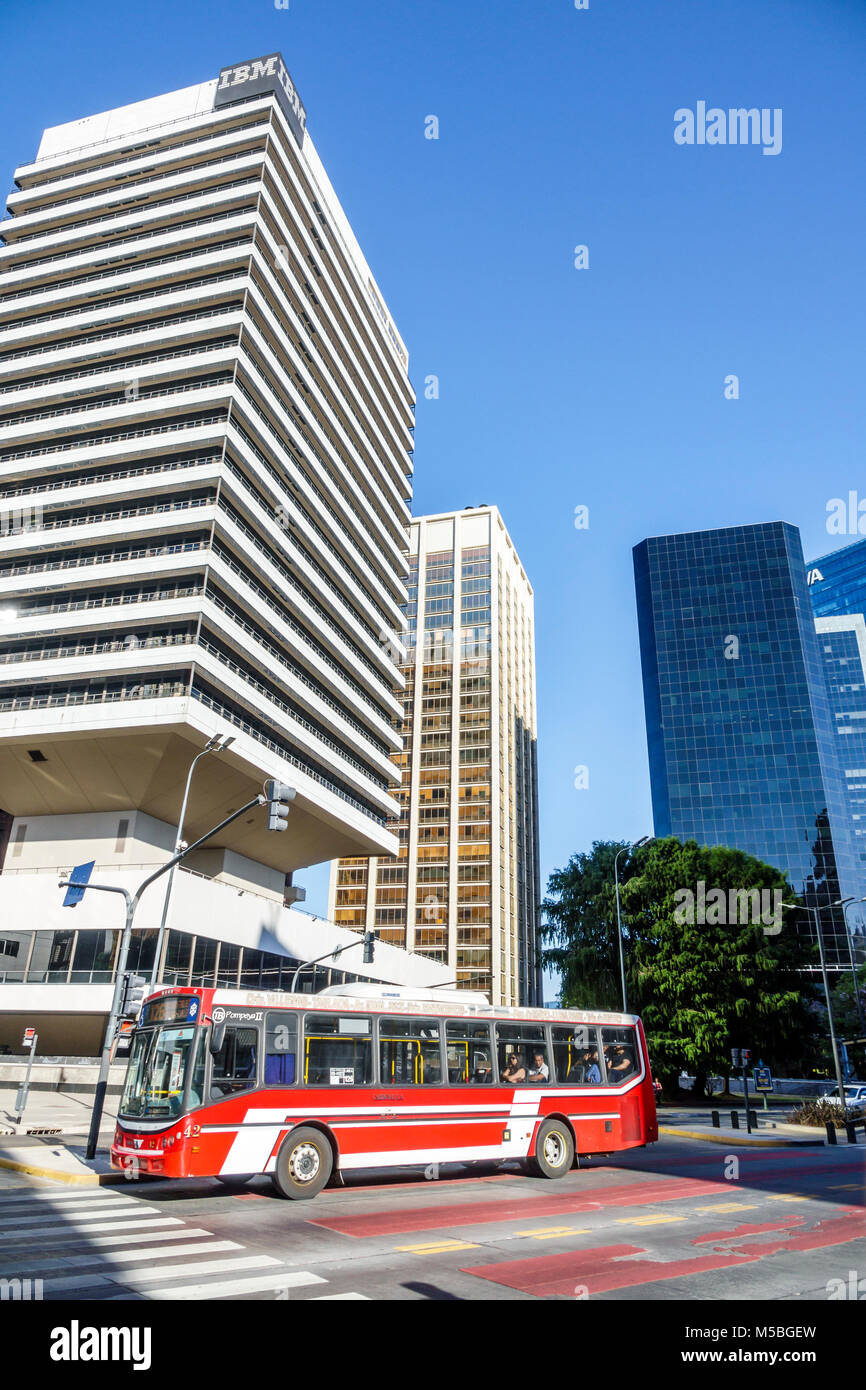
[(591, 1069), (620, 1063), (539, 1071), (515, 1071)]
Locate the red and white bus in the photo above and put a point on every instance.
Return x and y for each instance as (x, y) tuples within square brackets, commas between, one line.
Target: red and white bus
[(231, 1083)]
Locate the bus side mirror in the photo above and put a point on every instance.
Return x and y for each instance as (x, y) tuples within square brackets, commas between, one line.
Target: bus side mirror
[(217, 1037)]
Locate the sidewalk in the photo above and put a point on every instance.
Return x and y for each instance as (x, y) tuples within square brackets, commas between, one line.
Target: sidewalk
[(58, 1155), (61, 1160), (767, 1132)]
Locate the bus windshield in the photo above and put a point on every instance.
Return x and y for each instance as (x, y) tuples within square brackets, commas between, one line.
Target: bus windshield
[(157, 1072)]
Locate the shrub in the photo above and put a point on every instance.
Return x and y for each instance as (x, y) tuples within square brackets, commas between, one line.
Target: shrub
[(823, 1112)]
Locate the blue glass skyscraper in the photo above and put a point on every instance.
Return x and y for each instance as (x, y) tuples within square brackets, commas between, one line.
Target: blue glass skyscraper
[(742, 748), (837, 586)]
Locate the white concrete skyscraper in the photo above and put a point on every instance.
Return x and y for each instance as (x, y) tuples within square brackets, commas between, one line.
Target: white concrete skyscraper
[(205, 478)]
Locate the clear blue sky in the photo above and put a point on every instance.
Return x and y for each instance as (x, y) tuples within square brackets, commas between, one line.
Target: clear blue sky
[(560, 387)]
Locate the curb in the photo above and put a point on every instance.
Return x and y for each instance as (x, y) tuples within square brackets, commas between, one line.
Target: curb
[(746, 1141), (79, 1179)]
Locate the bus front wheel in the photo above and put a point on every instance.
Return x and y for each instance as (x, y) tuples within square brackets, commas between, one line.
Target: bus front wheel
[(304, 1164), (554, 1150)]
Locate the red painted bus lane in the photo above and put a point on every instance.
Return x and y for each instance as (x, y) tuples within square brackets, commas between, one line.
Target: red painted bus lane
[(462, 1214), (605, 1268)]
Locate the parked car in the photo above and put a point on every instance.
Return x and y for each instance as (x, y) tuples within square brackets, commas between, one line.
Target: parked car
[(855, 1096)]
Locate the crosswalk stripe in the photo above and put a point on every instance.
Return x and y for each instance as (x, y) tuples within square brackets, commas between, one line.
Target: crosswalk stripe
[(139, 1280), (231, 1288), (74, 1237), (75, 1194), (68, 1232), (97, 1214), (335, 1297), (145, 1275), (43, 1265)]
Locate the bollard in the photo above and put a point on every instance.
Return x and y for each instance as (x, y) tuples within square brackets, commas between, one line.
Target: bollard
[(851, 1131), (831, 1133), (715, 1118), (735, 1120)]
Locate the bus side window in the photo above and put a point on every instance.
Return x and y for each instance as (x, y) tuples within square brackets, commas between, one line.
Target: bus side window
[(620, 1054), (409, 1052), (281, 1048), (234, 1066), (575, 1048), (338, 1051), (470, 1054)]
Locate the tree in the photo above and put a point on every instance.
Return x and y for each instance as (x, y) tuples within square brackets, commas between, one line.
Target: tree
[(722, 979), (579, 927)]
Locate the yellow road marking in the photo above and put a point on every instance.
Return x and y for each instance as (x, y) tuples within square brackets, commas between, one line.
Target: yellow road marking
[(438, 1247), (846, 1187), (548, 1232), (647, 1220), (787, 1197), (730, 1206)]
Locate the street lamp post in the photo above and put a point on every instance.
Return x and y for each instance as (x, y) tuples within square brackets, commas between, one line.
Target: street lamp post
[(335, 954), (132, 900), (218, 743), (819, 932), (646, 839)]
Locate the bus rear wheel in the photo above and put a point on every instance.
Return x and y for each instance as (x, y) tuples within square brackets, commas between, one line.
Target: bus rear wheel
[(304, 1164), (554, 1150)]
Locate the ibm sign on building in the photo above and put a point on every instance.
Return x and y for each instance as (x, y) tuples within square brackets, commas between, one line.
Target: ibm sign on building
[(259, 75)]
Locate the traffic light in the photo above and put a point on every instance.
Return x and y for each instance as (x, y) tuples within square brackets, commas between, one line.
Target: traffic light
[(279, 795), (132, 995), (745, 1053), (369, 946)]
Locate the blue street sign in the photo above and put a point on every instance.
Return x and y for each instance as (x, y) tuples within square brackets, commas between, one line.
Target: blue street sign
[(763, 1079), (81, 875)]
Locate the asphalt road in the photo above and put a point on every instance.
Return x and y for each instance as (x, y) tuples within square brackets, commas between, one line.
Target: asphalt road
[(682, 1220)]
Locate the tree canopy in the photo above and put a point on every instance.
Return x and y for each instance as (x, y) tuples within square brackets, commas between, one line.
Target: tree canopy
[(703, 969)]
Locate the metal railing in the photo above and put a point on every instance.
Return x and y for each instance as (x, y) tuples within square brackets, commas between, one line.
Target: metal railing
[(67, 322), (159, 205), (96, 440), (282, 750), (176, 321), (309, 641), (145, 130), (118, 241), (134, 267), (105, 557), (121, 475), (163, 177), (106, 402)]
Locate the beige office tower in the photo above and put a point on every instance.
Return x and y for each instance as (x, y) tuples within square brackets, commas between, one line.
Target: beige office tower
[(464, 888)]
